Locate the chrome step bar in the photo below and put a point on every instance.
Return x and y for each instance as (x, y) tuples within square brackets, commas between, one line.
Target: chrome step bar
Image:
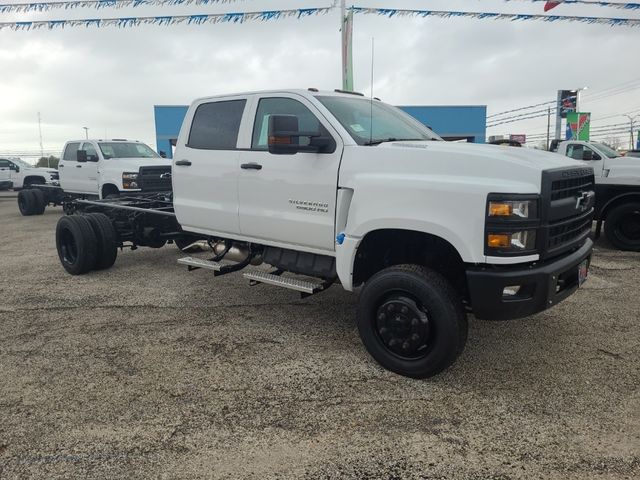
[(193, 262), (302, 286)]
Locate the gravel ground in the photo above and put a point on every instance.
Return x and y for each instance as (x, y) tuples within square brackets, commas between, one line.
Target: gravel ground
[(148, 371)]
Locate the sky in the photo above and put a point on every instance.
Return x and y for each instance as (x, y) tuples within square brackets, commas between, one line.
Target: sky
[(108, 79)]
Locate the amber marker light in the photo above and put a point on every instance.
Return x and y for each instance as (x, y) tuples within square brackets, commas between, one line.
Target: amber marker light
[(497, 209), (499, 240)]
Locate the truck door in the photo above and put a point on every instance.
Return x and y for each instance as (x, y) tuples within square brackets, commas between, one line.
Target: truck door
[(88, 179), (5, 171), (69, 168), (289, 199), (205, 168), (581, 151)]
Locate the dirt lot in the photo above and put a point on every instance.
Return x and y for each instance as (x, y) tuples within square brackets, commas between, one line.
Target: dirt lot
[(148, 371)]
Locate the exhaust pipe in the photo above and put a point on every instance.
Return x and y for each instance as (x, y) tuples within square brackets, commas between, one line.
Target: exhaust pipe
[(237, 253)]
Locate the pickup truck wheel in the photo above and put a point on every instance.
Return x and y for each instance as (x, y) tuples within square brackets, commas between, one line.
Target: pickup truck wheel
[(39, 203), (411, 321), (622, 227), (26, 202), (107, 240), (76, 243)]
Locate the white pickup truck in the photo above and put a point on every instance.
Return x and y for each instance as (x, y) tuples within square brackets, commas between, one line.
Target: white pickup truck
[(333, 188), (16, 173), (100, 169), (617, 190)]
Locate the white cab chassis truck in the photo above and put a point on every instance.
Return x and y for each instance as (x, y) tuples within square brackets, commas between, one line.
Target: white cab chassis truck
[(99, 169), (326, 188), (617, 187)]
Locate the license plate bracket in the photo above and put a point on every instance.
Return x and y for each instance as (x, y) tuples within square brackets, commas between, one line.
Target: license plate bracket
[(583, 272)]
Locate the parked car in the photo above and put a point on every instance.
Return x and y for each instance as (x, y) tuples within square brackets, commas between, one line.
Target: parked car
[(632, 153), (22, 174)]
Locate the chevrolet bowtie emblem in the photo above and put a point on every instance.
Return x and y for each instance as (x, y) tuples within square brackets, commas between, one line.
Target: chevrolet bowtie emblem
[(165, 175), (583, 200)]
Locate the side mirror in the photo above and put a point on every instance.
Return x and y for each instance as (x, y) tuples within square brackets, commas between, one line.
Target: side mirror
[(81, 156), (15, 167), (163, 154), (587, 155), (284, 137)]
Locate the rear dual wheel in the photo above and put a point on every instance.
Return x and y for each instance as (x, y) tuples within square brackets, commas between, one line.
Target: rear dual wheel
[(86, 242), (411, 321), (622, 227), (31, 202)]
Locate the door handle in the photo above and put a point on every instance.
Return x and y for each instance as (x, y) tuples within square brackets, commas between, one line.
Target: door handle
[(183, 163), (60, 166), (251, 166), (78, 166)]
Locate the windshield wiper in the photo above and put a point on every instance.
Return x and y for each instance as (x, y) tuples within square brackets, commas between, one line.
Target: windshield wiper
[(392, 139)]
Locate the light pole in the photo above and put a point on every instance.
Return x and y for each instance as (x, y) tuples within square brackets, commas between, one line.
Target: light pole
[(86, 132), (631, 120), (578, 96)]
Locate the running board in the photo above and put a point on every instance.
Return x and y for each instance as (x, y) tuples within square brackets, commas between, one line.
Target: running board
[(194, 263), (302, 286)]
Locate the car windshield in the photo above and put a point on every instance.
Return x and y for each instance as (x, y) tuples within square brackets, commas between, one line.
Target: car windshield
[(126, 150), (387, 123), (609, 152), (21, 163)]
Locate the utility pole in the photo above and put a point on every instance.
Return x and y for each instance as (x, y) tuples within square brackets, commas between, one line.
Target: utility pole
[(346, 27), (548, 127), (40, 132), (631, 120)]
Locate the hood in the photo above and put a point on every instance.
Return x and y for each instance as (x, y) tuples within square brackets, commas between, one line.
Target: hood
[(524, 157), (623, 167), (133, 164), (41, 169)]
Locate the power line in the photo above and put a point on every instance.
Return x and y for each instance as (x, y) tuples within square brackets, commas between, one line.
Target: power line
[(521, 108)]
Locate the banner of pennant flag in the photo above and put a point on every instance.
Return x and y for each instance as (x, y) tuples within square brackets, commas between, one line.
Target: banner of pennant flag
[(271, 15)]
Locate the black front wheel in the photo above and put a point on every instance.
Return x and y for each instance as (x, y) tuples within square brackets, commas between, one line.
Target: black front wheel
[(622, 227), (411, 320)]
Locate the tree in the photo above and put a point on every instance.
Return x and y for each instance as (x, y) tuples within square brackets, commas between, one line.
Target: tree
[(50, 161)]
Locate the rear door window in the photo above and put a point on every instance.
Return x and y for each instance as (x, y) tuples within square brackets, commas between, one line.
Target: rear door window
[(215, 125)]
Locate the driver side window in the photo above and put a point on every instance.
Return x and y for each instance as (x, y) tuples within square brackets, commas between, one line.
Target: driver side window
[(308, 122), (92, 154)]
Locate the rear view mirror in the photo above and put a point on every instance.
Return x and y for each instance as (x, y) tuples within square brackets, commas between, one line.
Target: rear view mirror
[(81, 155), (587, 155)]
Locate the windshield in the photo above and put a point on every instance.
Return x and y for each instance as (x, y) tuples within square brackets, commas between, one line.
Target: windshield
[(21, 163), (126, 150), (389, 123), (609, 152)]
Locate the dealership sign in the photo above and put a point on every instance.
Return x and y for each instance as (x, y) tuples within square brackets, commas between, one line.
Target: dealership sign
[(578, 126)]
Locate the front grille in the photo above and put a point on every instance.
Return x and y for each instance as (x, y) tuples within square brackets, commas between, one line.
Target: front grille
[(55, 176), (155, 179), (569, 230), (568, 200), (570, 188)]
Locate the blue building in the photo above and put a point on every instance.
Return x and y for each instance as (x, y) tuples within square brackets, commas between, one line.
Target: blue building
[(467, 123)]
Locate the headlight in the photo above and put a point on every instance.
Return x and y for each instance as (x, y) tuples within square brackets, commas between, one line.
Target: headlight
[(511, 224), (514, 209), (129, 180)]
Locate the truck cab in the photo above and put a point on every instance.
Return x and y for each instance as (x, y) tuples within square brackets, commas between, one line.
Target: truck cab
[(111, 167), (17, 174), (605, 161)]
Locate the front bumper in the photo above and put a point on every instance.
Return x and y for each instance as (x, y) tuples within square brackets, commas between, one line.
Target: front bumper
[(542, 285), (5, 184)]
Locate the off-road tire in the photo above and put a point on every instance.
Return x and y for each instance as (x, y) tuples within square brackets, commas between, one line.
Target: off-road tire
[(622, 227), (435, 299), (107, 240), (26, 202), (39, 203), (77, 244)]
